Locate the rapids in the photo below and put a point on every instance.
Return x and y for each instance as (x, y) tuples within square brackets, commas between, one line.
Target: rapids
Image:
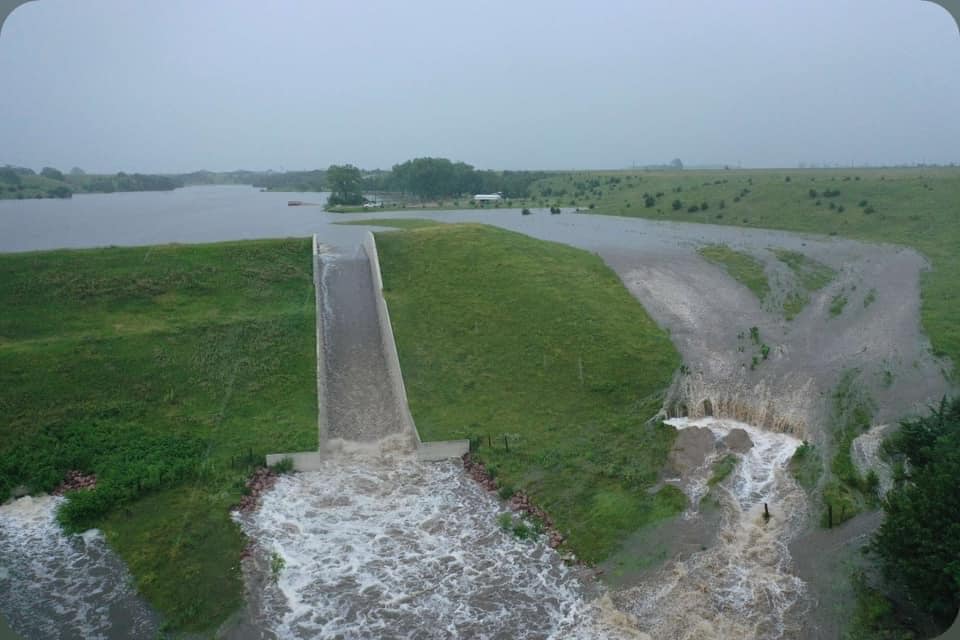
[(743, 586), (54, 585), (398, 549)]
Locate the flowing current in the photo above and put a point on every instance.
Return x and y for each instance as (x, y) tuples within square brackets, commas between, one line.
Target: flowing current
[(54, 585), (742, 586), (398, 549)]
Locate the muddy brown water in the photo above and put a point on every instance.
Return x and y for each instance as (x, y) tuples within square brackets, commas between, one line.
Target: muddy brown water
[(359, 401)]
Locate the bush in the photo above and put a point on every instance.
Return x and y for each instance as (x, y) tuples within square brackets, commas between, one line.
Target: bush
[(693, 209), (525, 211), (677, 205), (918, 542), (284, 466)]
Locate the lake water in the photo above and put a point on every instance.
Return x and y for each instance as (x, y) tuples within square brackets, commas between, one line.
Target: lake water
[(229, 212), (193, 214)]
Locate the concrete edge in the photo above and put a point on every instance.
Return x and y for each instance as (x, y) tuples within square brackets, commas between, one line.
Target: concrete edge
[(442, 450), (302, 461), (425, 451), (321, 372)]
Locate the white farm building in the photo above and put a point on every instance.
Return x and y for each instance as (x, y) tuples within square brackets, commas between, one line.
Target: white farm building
[(488, 197)]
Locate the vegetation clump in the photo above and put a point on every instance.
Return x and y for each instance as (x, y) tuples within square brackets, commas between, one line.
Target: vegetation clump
[(742, 267), (918, 544)]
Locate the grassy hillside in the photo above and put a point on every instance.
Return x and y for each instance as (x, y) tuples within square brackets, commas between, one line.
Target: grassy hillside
[(538, 353), (166, 371), (916, 207)]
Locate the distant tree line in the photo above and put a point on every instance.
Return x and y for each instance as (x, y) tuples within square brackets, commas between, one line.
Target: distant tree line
[(314, 180), (23, 182), (432, 178), (424, 178)]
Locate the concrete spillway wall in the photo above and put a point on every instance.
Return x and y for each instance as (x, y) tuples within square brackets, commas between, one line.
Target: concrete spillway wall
[(425, 450), (362, 400)]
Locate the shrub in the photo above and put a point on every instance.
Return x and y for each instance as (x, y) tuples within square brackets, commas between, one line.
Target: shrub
[(277, 564), (284, 466), (693, 209), (525, 211), (677, 205)]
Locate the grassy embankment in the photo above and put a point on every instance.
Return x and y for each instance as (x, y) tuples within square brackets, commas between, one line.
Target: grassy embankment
[(538, 353), (167, 371)]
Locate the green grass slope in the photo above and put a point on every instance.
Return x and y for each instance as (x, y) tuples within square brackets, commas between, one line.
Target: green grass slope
[(915, 207), (502, 336), (167, 371)]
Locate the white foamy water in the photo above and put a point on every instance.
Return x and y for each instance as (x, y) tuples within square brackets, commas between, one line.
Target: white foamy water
[(742, 587), (54, 585), (406, 550)]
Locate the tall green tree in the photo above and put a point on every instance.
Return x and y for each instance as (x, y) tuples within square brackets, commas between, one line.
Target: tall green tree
[(53, 174), (919, 541), (346, 184)]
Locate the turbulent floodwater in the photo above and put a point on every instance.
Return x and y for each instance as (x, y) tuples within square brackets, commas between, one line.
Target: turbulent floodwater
[(743, 586), (399, 549), (406, 550), (54, 585)]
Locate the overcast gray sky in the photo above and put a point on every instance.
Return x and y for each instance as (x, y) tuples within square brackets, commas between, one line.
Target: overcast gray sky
[(177, 85)]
